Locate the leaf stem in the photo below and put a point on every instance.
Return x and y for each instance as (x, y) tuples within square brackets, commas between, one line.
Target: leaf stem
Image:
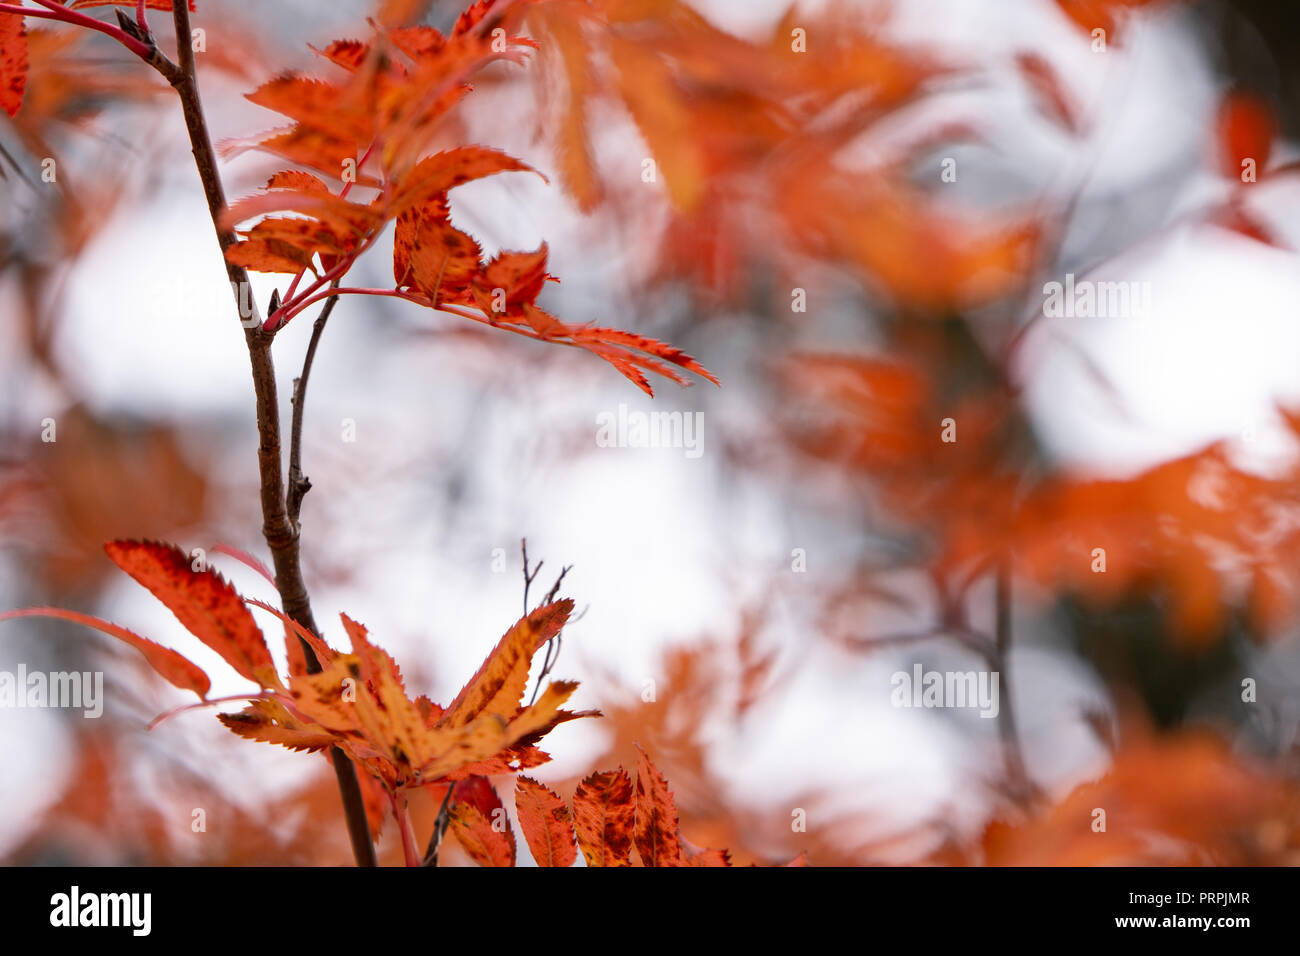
[(409, 853), (57, 11)]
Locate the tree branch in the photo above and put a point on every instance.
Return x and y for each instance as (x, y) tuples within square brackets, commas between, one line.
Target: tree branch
[(280, 533)]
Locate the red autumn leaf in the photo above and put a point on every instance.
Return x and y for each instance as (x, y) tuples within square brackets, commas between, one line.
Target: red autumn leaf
[(1246, 129), (603, 813), (450, 168), (263, 254), (432, 255), (203, 601), (547, 824), (179, 671), (656, 833), (479, 821), (13, 62), (511, 281)]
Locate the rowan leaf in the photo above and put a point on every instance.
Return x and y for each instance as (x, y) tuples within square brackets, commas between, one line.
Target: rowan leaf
[(546, 822), (263, 254), (498, 686), (603, 811), (537, 720), (444, 171), (432, 255), (383, 710), (657, 839), (13, 62), (511, 281), (480, 823), (269, 721), (203, 601), (297, 96), (177, 670)]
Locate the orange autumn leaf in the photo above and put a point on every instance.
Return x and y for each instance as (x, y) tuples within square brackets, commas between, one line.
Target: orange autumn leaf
[(203, 601), (657, 839), (269, 722), (546, 822), (177, 670), (13, 62), (450, 168), (499, 683), (479, 821), (370, 129), (361, 701), (1181, 801), (560, 27), (510, 281), (603, 811), (648, 89)]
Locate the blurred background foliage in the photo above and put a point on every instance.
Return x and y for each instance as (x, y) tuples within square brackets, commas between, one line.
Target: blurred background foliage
[(785, 174)]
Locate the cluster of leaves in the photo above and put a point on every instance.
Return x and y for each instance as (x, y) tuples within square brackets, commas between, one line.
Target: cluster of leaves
[(1199, 528), (385, 109), (608, 816), (1181, 801), (356, 701), (756, 140)]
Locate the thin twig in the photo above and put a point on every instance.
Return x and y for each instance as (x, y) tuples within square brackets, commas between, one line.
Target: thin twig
[(528, 578), (439, 828), (298, 483), (555, 644)]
